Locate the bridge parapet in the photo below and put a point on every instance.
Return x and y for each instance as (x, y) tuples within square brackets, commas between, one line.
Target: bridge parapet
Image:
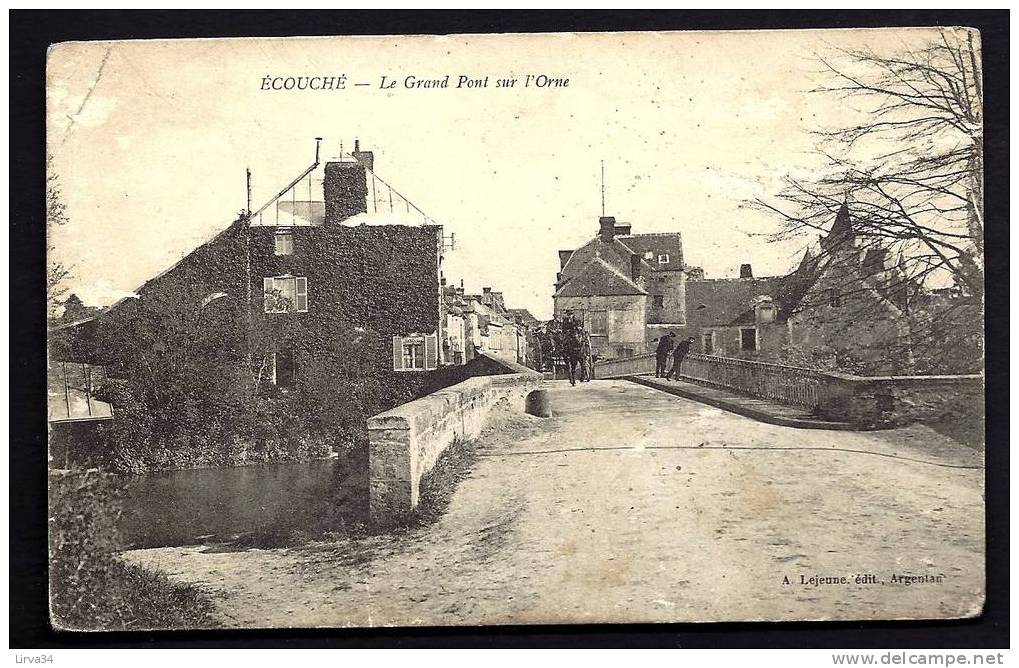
[(406, 442), (845, 397)]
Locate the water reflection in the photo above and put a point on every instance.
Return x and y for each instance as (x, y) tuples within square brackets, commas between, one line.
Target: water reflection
[(175, 508)]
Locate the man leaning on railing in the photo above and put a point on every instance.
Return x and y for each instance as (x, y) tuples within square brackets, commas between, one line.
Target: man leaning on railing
[(678, 354)]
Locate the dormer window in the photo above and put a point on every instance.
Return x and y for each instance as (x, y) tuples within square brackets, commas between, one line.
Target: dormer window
[(663, 258), (284, 242)]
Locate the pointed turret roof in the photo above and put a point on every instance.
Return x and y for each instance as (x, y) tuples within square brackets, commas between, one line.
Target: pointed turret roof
[(843, 224)]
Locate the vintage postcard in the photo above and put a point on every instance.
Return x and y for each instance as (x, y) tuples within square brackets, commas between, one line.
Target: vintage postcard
[(516, 329)]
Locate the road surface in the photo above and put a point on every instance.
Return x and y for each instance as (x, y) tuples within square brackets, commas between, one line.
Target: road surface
[(632, 505)]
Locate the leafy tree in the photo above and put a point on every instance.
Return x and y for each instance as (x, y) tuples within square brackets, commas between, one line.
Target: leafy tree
[(56, 214)]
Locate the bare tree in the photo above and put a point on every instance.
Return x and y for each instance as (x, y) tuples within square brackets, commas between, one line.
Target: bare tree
[(912, 169)]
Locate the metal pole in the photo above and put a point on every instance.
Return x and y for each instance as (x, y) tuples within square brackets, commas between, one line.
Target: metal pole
[(88, 388), (67, 394), (603, 188)]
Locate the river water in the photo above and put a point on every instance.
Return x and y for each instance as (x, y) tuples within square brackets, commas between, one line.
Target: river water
[(174, 508)]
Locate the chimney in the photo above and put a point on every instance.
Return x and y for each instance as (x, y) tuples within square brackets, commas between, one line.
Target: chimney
[(564, 257), (622, 228), (345, 189), (745, 271), (875, 261), (634, 267), (366, 158), (606, 228)]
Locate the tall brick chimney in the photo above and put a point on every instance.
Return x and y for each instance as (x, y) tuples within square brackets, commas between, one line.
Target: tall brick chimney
[(345, 190), (745, 271), (606, 228)]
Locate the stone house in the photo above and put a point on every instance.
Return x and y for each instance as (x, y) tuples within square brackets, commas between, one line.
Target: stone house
[(746, 317), (626, 288), (846, 296), (630, 289), (859, 300)]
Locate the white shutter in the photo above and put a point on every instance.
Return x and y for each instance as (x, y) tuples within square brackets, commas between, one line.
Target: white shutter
[(397, 353), (267, 290), (431, 351), (302, 294)]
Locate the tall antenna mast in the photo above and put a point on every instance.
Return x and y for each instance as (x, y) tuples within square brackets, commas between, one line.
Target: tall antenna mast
[(603, 188), (248, 175)]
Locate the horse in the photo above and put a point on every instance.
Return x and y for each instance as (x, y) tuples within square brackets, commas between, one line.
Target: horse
[(572, 351)]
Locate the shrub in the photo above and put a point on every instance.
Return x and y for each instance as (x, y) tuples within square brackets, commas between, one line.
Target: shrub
[(90, 586)]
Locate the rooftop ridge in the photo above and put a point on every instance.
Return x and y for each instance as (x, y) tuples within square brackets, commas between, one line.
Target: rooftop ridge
[(649, 234), (752, 278)]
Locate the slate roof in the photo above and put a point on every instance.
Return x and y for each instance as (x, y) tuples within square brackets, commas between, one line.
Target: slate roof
[(598, 277), (666, 243), (728, 302), (613, 255), (525, 316)]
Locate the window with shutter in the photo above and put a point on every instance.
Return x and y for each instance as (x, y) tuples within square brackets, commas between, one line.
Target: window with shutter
[(416, 352), (285, 293), (431, 351), (301, 288), (397, 353)]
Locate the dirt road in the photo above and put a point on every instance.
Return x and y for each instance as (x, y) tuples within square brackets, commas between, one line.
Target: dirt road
[(634, 505)]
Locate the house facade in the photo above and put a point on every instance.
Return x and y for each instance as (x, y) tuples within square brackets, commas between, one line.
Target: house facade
[(626, 288), (483, 323)]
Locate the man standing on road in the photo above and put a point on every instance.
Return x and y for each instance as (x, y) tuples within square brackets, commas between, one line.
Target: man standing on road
[(586, 361), (662, 354), (682, 348)]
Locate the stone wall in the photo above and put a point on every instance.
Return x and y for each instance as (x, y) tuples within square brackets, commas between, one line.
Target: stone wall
[(895, 400), (866, 401), (406, 442)]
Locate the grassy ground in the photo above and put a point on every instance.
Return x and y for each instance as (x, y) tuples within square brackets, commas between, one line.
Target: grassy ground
[(91, 588), (128, 597)]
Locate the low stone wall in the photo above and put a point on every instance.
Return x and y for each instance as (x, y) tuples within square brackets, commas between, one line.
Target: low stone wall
[(406, 442), (862, 400), (902, 399)]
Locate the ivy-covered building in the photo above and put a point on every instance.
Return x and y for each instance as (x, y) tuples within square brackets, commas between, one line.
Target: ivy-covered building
[(325, 288)]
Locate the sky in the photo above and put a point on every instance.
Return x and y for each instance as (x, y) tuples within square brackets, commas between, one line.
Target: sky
[(150, 141)]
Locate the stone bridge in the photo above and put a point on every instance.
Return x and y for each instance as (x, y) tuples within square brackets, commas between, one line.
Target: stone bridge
[(406, 442), (631, 504)]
